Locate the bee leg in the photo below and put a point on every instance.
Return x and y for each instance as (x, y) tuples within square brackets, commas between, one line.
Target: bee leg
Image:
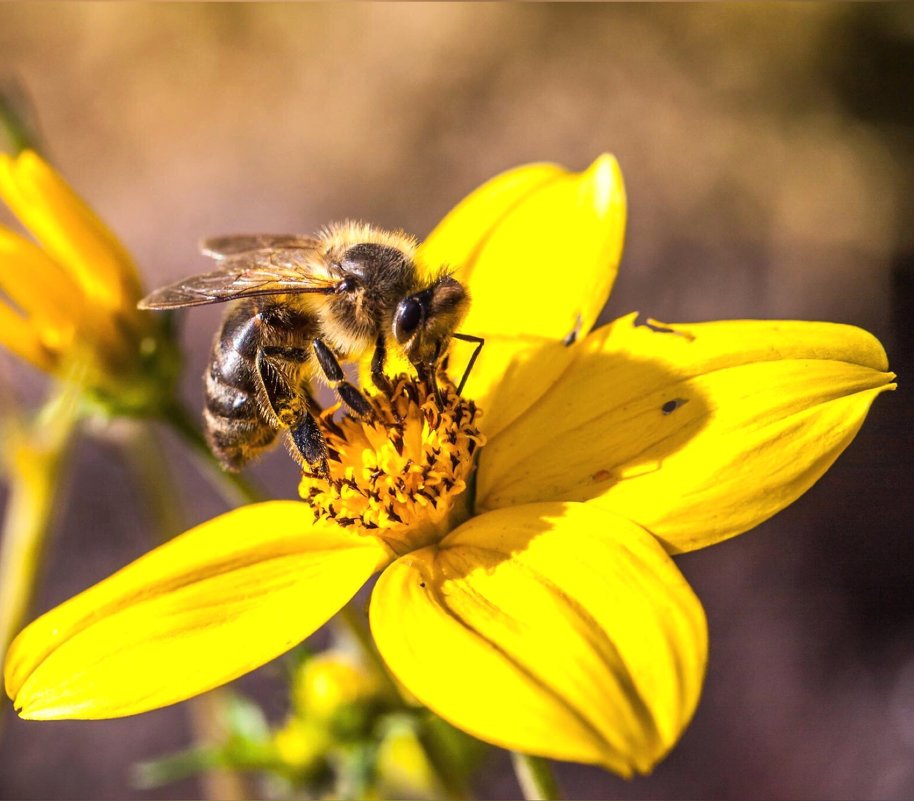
[(427, 375), (378, 378), (350, 394), (309, 441), (291, 411)]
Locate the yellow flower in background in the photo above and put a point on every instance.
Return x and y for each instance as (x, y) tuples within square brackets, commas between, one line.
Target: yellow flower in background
[(523, 531), (70, 305), (331, 683)]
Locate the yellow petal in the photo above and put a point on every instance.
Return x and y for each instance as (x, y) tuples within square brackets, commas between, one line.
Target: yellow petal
[(697, 433), (23, 339), (552, 629), (199, 611), (459, 237), (509, 376), (39, 287), (69, 230), (538, 248)]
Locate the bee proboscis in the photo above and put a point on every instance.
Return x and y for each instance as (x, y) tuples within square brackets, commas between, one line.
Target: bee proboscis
[(303, 304)]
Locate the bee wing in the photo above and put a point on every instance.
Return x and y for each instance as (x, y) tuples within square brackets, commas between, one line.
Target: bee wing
[(260, 272), (224, 247)]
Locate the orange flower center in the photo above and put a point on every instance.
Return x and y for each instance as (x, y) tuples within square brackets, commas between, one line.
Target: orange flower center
[(398, 474)]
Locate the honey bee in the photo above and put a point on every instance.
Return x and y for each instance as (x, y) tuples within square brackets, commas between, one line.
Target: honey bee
[(305, 304)]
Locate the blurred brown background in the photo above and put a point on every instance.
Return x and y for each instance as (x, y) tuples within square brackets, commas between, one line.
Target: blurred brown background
[(769, 161)]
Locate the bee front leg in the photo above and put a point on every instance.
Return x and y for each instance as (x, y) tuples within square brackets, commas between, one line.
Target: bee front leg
[(333, 372), (427, 374), (290, 407)]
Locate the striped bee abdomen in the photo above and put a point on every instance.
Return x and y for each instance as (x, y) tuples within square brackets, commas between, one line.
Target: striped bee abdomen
[(236, 425)]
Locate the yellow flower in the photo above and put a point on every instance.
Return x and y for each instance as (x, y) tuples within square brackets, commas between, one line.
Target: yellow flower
[(70, 305), (403, 767), (302, 744), (533, 602), (329, 684)]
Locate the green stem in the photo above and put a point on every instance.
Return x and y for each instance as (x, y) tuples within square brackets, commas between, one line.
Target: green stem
[(442, 764), (16, 117), (535, 777), (207, 711), (453, 784), (34, 454), (153, 474), (232, 486), (174, 767)]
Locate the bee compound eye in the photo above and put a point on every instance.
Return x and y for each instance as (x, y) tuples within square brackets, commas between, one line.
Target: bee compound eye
[(407, 319)]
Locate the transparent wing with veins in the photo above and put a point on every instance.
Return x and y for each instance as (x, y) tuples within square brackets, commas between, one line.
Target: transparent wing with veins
[(250, 266)]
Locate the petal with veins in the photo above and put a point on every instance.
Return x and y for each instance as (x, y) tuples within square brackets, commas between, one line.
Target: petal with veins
[(538, 248), (696, 432), (199, 611), (552, 629)]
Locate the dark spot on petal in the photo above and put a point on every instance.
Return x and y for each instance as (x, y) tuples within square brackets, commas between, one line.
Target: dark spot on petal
[(572, 336), (601, 475), (672, 405), (422, 584)]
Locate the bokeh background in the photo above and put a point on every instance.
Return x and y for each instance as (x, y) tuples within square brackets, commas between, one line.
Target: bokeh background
[(769, 161)]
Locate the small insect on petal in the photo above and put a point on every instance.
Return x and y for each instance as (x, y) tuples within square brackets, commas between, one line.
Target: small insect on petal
[(700, 433)]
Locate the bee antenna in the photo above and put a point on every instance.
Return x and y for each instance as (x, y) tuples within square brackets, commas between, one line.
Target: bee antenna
[(479, 342)]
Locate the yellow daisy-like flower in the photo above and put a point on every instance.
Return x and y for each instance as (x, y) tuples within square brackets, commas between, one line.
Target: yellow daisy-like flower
[(70, 300), (531, 600)]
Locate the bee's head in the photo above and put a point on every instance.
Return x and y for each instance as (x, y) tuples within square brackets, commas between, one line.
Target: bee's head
[(371, 277), (425, 321)]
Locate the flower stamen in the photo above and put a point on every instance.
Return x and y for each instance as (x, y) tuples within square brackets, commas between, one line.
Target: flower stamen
[(397, 475)]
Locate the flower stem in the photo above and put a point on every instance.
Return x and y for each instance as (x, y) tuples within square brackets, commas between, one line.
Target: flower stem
[(232, 486), (207, 712), (442, 765), (153, 475), (34, 456), (439, 761), (535, 777), (17, 117)]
